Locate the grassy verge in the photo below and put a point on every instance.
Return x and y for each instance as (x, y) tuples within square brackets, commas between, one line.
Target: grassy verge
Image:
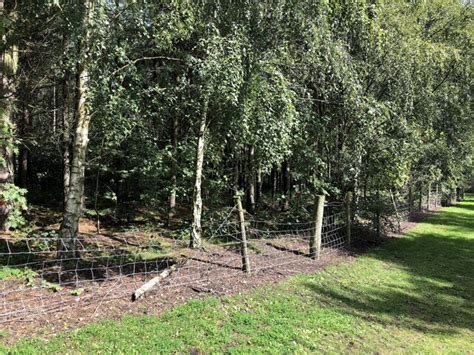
[(414, 294)]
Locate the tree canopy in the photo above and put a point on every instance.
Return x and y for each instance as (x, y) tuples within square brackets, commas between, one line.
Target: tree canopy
[(190, 101)]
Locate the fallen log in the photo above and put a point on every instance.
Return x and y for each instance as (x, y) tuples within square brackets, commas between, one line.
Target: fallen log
[(153, 282)]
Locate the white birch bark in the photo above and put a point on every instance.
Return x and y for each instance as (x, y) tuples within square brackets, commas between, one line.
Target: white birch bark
[(196, 228)]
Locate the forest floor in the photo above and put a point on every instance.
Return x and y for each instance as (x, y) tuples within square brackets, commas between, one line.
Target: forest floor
[(411, 294)]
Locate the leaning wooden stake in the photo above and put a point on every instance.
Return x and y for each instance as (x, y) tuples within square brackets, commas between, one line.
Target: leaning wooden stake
[(315, 240), (348, 217), (243, 235), (152, 283)]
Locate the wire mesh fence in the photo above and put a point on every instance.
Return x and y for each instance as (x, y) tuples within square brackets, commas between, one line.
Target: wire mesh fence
[(385, 213), (106, 267), (47, 278)]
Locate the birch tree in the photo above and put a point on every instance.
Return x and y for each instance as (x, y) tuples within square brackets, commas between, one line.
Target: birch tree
[(219, 74)]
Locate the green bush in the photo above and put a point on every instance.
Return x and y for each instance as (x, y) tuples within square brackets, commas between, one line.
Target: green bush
[(14, 198)]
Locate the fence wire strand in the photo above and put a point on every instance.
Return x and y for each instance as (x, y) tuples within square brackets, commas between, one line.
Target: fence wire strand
[(104, 268)]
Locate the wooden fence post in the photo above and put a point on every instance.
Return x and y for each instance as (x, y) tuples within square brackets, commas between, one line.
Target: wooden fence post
[(348, 217), (243, 235), (315, 239)]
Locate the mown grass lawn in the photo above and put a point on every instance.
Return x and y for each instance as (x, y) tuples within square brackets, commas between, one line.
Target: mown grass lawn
[(414, 294)]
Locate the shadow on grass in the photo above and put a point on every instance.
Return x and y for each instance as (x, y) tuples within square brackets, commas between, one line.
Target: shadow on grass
[(425, 281)]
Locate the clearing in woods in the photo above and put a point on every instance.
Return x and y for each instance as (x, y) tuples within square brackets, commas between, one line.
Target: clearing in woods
[(412, 294)]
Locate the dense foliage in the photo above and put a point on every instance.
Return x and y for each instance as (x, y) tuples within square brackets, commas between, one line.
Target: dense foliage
[(286, 98)]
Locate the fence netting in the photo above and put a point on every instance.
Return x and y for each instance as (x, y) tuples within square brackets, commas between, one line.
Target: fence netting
[(39, 277)]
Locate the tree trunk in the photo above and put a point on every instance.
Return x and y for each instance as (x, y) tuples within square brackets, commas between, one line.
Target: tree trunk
[(410, 199), (8, 67), (55, 108), (357, 177), (251, 181), (23, 156), (259, 186), (286, 184), (236, 174), (420, 199), (73, 208), (274, 182), (174, 169), (66, 137), (196, 228)]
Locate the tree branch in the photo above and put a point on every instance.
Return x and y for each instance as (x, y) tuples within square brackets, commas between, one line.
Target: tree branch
[(146, 58)]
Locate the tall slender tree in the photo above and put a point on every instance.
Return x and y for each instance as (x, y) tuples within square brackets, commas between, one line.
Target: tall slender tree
[(73, 207), (8, 68)]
